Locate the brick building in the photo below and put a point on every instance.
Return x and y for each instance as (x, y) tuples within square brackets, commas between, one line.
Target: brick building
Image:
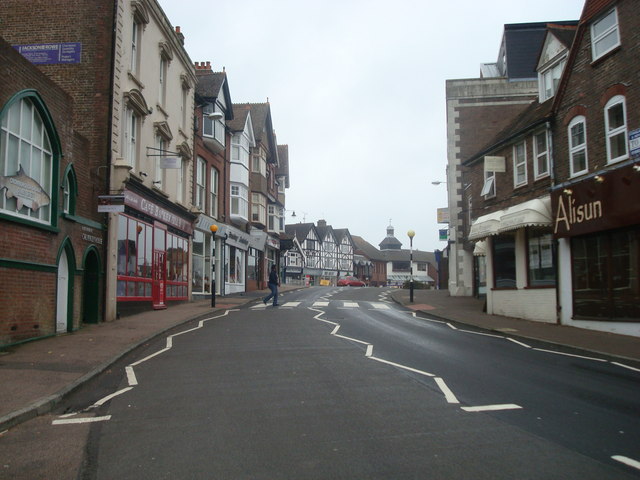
[(477, 110), (596, 194), (52, 236)]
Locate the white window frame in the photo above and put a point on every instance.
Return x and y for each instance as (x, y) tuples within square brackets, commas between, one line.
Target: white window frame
[(162, 81), (201, 183), (181, 174), (136, 28), (598, 37), (577, 148), (131, 133), (549, 78), (25, 143), (241, 193), (158, 174), (259, 165), (612, 133), (258, 208), (213, 193), (520, 164), (540, 155), (489, 187)]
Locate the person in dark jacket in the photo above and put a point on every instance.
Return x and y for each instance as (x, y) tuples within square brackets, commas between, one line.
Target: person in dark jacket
[(274, 283)]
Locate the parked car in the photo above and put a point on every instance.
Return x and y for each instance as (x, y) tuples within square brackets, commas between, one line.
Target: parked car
[(350, 282)]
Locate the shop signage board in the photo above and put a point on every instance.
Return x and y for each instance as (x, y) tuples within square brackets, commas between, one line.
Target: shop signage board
[(51, 53), (596, 204)]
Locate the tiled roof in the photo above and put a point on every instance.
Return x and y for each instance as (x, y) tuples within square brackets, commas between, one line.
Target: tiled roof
[(365, 248), (240, 112), (299, 230), (209, 83)]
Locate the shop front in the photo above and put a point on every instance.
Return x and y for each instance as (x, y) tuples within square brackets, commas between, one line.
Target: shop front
[(152, 253), (597, 224), (235, 251)]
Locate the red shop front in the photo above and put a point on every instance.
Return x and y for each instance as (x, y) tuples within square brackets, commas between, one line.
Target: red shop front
[(153, 254)]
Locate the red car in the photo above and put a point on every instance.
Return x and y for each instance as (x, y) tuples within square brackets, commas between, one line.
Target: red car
[(350, 282)]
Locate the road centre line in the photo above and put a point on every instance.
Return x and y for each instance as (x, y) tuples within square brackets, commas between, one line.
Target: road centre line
[(627, 461), (448, 394), (570, 355), (626, 366), (481, 333), (492, 408), (519, 343), (67, 421), (404, 367)]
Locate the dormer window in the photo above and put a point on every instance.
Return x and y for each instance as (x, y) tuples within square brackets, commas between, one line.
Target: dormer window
[(549, 79)]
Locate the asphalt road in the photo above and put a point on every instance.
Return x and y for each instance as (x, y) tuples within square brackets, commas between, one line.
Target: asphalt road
[(344, 384)]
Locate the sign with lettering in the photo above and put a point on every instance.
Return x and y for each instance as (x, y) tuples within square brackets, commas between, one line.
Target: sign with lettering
[(51, 53), (601, 202), (156, 211), (443, 215)]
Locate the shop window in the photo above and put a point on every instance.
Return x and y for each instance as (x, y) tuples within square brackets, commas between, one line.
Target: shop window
[(253, 265), (541, 251), (606, 284), (504, 261), (134, 259), (177, 267), (234, 265)]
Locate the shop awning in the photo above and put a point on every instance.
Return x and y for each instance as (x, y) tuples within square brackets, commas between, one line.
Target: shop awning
[(485, 226), (536, 212)]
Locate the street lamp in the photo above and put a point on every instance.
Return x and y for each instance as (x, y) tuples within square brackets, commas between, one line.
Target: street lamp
[(214, 229), (411, 234)]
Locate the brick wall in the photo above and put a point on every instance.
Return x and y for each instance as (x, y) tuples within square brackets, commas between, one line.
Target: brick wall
[(591, 84)]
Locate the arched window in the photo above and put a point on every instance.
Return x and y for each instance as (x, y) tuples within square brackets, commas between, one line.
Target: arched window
[(29, 158), (615, 124), (577, 133), (69, 191)]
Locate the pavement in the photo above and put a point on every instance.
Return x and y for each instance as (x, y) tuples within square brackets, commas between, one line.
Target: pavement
[(36, 376)]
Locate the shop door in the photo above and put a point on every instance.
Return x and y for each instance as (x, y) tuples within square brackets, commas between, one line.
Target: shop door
[(158, 290)]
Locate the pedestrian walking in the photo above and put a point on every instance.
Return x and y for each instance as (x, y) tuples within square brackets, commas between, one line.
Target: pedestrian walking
[(274, 283)]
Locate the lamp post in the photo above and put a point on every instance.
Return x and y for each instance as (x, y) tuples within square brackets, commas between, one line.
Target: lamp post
[(214, 229), (411, 234)]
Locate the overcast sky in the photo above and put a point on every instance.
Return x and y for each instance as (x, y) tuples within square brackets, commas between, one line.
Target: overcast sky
[(357, 91)]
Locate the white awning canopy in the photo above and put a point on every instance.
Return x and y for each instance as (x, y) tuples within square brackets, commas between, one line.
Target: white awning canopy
[(485, 226), (532, 213)]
